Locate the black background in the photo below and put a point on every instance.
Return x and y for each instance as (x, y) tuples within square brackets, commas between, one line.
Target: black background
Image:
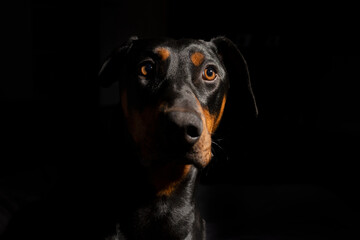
[(289, 174)]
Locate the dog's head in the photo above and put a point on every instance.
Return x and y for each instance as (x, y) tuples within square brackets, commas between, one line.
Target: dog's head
[(173, 95)]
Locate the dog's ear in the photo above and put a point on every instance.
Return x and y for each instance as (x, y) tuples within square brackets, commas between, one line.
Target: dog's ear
[(111, 68), (238, 73)]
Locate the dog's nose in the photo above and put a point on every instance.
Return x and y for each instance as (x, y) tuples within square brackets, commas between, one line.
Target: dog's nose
[(184, 126)]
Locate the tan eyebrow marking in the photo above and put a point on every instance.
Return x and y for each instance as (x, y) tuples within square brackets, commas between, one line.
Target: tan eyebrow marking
[(197, 58), (163, 53)]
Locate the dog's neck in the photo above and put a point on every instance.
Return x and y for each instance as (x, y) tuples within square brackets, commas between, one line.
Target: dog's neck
[(164, 217)]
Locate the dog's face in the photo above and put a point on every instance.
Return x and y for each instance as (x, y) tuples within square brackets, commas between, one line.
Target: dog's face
[(173, 95)]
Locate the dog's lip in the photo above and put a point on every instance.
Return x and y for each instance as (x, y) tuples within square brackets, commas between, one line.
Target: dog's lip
[(191, 157)]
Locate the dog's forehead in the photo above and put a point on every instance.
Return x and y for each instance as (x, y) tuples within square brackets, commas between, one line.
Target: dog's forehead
[(185, 47), (197, 50)]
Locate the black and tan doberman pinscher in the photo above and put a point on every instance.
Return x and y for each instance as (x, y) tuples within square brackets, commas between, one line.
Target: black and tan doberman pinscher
[(173, 94)]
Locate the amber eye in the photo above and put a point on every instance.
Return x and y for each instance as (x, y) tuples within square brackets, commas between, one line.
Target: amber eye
[(146, 69), (209, 74)]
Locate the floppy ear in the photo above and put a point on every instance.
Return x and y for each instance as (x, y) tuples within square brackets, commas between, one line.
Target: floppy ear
[(238, 74), (111, 68)]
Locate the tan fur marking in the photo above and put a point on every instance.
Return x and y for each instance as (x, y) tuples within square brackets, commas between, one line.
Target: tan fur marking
[(197, 58), (203, 146), (209, 120), (212, 121), (163, 53), (166, 179), (217, 122)]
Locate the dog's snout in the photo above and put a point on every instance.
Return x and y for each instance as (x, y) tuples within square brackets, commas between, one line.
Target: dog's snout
[(184, 126)]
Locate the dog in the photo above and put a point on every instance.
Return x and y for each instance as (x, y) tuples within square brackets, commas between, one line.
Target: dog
[(172, 98)]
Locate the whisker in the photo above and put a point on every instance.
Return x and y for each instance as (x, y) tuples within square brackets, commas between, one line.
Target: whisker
[(218, 145), (218, 150)]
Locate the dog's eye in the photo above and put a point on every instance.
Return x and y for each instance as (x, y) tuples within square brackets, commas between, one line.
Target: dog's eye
[(146, 69), (209, 74)]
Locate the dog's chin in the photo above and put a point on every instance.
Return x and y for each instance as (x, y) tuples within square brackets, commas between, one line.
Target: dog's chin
[(170, 165), (198, 159)]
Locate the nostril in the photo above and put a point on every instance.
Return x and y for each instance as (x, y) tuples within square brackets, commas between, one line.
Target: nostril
[(183, 127), (193, 132)]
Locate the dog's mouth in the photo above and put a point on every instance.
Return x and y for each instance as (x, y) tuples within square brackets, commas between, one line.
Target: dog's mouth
[(199, 155), (152, 153), (171, 166)]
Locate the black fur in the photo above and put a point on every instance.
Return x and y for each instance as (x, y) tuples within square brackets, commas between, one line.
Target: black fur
[(149, 211)]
